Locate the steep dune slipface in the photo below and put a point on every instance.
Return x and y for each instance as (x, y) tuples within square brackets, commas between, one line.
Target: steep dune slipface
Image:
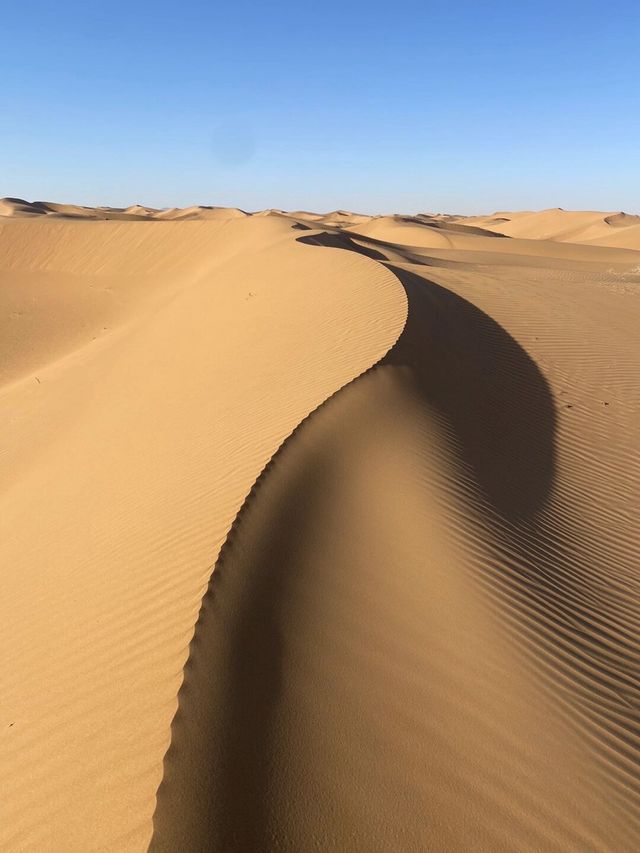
[(126, 460), (423, 629), (425, 623)]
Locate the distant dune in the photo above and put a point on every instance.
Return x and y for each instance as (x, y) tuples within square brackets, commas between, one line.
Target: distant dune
[(602, 229), (319, 531), (17, 207), (618, 229)]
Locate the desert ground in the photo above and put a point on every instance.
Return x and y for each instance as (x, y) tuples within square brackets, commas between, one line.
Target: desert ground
[(319, 532)]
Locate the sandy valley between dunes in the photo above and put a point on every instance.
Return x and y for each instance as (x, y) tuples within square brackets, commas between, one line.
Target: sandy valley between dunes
[(319, 532)]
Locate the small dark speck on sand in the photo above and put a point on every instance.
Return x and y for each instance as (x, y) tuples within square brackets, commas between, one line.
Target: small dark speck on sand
[(569, 406)]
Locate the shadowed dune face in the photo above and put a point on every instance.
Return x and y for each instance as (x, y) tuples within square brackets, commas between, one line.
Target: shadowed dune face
[(501, 421), (236, 775), (299, 725), (397, 649), (422, 631), (339, 240), (230, 768), (124, 462), (216, 792), (490, 392)]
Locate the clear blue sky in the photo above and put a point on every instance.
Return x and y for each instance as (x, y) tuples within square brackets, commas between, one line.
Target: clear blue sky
[(395, 106)]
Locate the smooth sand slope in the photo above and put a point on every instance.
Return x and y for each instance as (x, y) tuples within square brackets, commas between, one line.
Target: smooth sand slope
[(616, 229), (421, 633), (425, 622), (158, 368)]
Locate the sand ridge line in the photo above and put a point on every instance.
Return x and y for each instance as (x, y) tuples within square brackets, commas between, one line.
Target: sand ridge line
[(196, 762), (109, 535), (168, 788), (391, 527), (497, 488)]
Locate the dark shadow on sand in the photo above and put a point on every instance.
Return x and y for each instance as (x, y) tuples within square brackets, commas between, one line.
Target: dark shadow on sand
[(215, 793), (489, 391)]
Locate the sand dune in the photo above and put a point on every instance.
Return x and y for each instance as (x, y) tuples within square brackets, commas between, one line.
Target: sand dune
[(618, 229), (604, 229), (422, 629), (126, 459), (17, 207)]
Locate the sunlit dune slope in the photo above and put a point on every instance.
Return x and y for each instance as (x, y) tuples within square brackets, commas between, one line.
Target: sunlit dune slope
[(19, 208), (571, 226), (419, 624), (425, 622), (618, 229), (155, 370)]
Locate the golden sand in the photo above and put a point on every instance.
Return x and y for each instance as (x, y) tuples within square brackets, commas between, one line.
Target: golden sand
[(410, 447)]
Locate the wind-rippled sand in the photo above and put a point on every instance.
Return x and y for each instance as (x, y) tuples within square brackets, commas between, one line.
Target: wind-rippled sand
[(410, 446)]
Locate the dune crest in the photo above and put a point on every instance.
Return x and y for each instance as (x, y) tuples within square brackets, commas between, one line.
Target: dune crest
[(570, 226), (17, 207), (417, 643), (391, 461), (126, 459), (603, 229)]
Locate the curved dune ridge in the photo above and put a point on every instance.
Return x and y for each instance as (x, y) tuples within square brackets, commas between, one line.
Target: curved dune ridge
[(415, 637), (617, 230), (422, 628), (571, 226), (19, 207), (127, 453)]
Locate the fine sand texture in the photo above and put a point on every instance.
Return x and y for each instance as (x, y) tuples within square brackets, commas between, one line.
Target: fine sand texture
[(319, 532)]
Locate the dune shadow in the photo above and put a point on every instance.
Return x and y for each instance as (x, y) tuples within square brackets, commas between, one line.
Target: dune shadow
[(341, 240), (218, 773), (444, 225), (215, 793), (496, 402), (500, 416)]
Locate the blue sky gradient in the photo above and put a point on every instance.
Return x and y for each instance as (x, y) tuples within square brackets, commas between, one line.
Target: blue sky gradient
[(380, 107)]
